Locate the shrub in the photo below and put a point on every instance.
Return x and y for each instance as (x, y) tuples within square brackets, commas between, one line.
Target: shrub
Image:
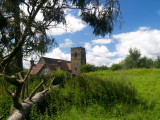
[(86, 90), (116, 67), (87, 68), (60, 76)]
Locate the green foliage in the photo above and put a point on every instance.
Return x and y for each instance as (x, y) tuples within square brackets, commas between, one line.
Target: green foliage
[(91, 68), (101, 68), (60, 76), (133, 59), (5, 100), (88, 90), (87, 68), (103, 95), (116, 67), (33, 36), (146, 63), (157, 62)]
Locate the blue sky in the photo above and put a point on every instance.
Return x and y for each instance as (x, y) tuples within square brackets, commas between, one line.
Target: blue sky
[(140, 29)]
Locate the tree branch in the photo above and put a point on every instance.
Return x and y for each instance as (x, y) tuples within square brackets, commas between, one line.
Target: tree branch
[(35, 90)]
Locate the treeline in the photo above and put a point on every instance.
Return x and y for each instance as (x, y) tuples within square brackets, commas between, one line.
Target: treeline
[(136, 60), (133, 60), (91, 68)]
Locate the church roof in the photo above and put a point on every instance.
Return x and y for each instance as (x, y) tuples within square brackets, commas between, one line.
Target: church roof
[(52, 64), (36, 69), (53, 61)]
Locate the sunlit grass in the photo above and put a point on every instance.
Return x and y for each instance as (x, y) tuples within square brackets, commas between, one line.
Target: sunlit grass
[(90, 98)]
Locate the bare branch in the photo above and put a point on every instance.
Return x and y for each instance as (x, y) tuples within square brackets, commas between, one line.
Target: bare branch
[(51, 82), (20, 76), (13, 80), (35, 90), (7, 90), (1, 75), (25, 86)]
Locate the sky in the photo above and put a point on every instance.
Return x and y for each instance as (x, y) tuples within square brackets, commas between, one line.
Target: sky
[(140, 29)]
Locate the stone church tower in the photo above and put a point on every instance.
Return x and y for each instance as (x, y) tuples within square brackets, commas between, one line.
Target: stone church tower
[(78, 58)]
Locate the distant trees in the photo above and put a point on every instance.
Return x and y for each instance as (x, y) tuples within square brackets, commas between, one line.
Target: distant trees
[(132, 61), (116, 67), (91, 68), (135, 60)]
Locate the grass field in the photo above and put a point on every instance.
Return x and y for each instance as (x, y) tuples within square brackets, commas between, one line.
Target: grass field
[(103, 95), (147, 84)]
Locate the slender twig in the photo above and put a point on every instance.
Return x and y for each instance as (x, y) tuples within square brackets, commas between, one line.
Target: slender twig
[(34, 91), (1, 74), (20, 76), (51, 82), (50, 85), (7, 90), (25, 86)]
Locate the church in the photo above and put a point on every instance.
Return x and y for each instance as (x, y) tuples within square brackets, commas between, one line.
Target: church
[(46, 65)]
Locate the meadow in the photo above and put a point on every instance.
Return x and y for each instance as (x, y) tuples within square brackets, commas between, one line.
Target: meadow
[(104, 95)]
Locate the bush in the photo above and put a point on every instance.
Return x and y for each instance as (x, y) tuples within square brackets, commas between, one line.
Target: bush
[(89, 89), (60, 76), (116, 67), (87, 68)]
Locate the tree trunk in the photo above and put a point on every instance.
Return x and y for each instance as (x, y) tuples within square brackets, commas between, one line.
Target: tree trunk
[(23, 112), (17, 29)]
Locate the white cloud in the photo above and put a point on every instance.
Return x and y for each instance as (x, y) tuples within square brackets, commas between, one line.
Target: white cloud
[(74, 24), (101, 41), (68, 43), (145, 39), (26, 60), (58, 54), (98, 55), (87, 46), (144, 28)]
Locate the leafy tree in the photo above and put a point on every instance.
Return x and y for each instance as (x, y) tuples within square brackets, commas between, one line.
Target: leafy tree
[(22, 34), (116, 67), (100, 68), (133, 59), (87, 68), (157, 62), (146, 63)]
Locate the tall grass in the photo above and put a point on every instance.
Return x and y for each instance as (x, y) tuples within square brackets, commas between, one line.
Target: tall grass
[(104, 95), (82, 96)]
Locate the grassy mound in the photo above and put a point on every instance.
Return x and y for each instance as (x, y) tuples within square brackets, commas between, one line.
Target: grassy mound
[(104, 95), (85, 93)]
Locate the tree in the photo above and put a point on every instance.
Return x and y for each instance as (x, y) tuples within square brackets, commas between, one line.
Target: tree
[(21, 34), (101, 68), (87, 68), (116, 67), (133, 59), (16, 21), (24, 34), (146, 63), (157, 62)]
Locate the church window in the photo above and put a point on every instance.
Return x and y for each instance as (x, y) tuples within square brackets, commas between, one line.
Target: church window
[(46, 71), (75, 54)]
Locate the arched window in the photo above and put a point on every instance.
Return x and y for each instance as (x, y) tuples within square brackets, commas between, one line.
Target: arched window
[(75, 54)]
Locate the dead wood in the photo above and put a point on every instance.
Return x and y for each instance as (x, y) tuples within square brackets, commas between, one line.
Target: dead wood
[(26, 105)]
